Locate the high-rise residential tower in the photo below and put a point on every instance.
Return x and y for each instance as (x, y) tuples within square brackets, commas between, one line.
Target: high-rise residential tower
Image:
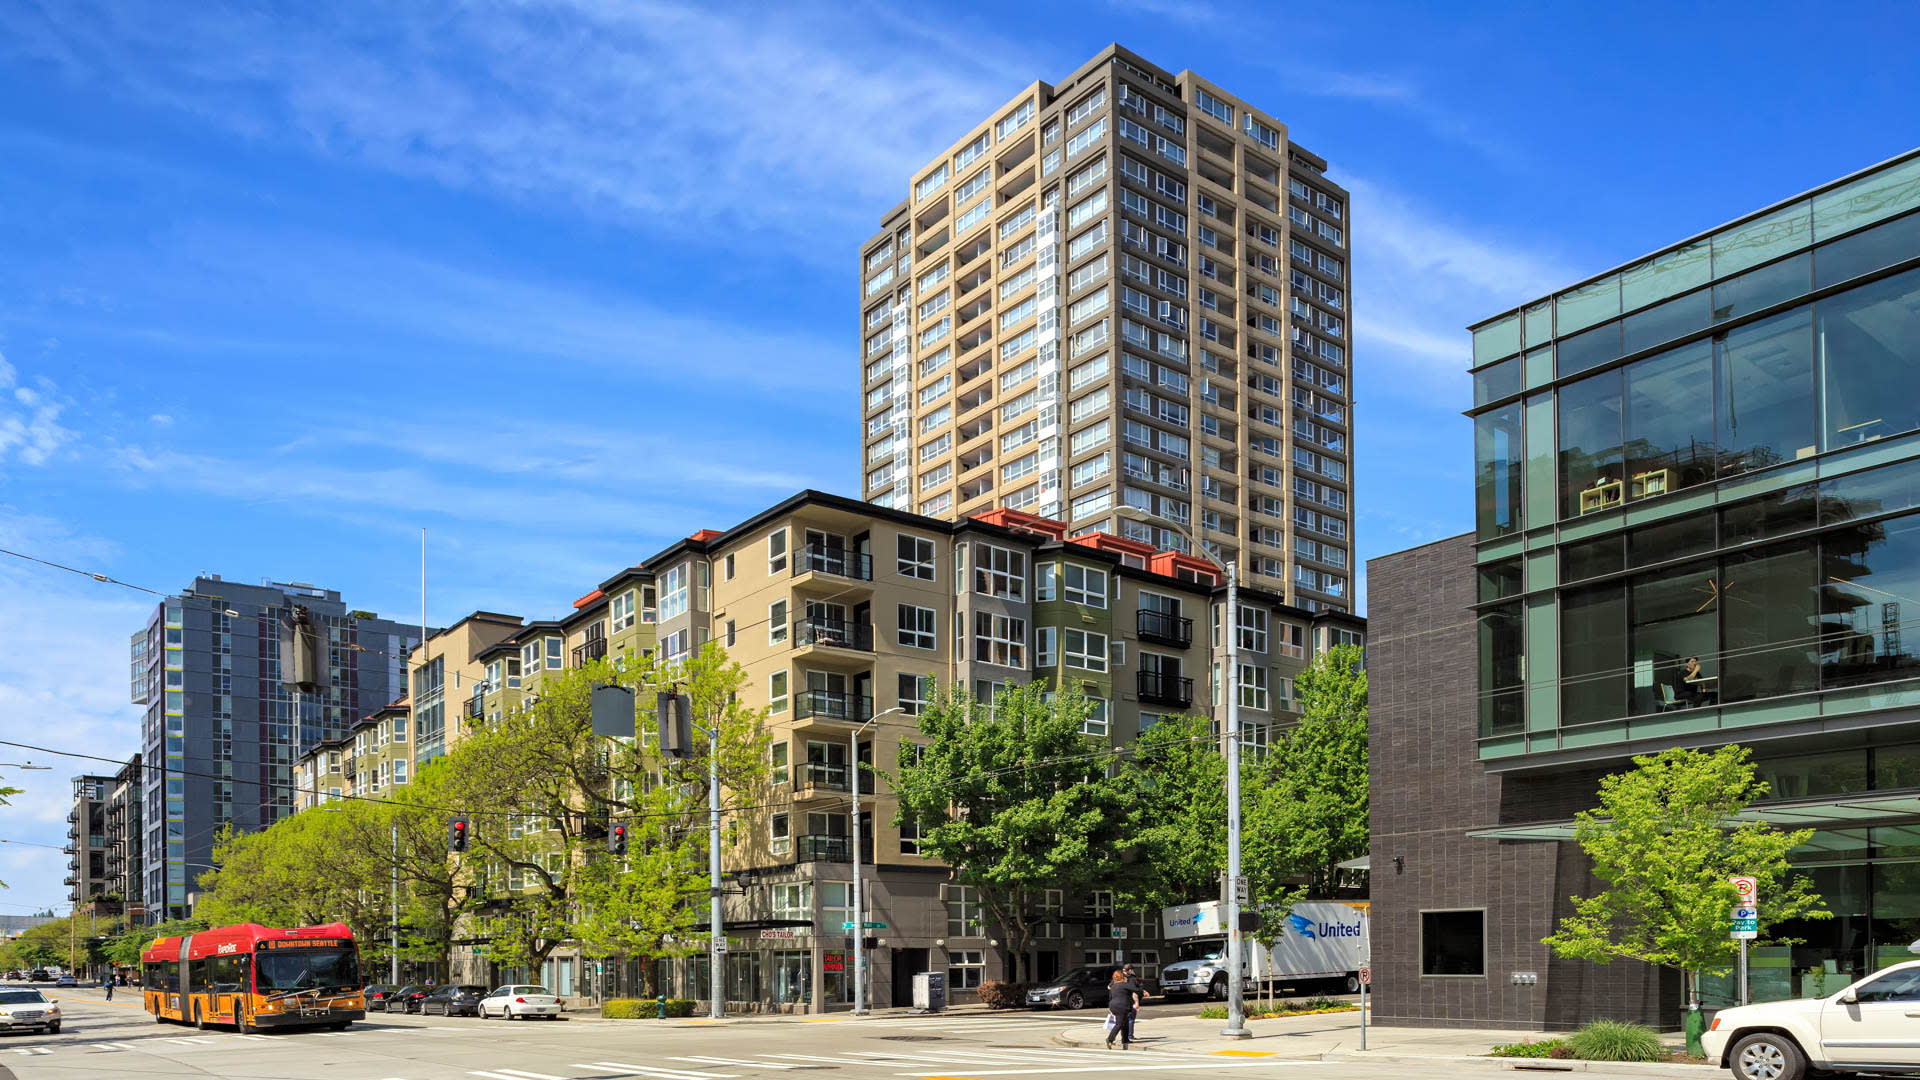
[(1125, 288), (222, 730)]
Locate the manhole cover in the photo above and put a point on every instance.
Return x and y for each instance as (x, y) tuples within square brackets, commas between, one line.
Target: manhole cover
[(911, 1038)]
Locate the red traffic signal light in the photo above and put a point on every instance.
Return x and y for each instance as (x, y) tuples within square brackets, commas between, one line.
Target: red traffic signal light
[(457, 834), (617, 839)]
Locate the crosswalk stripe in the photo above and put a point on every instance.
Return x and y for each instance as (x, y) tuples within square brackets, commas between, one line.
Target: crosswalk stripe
[(649, 1070), (539, 1076), (733, 1061), (491, 1075), (1037, 1069)]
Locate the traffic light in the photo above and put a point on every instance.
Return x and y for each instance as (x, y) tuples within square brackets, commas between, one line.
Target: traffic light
[(457, 834), (617, 839)]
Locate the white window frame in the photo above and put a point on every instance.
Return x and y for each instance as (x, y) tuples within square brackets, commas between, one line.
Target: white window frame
[(924, 631), (1092, 589)]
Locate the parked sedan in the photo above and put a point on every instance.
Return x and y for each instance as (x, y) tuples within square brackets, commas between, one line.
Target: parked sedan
[(29, 1008), (451, 1000), (377, 995), (1075, 990), (520, 1002), (408, 998), (38, 975)]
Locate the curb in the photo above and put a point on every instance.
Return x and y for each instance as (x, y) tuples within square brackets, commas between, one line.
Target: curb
[(1528, 1065)]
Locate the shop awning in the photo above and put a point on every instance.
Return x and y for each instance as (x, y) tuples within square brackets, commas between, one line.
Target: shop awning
[(1837, 811)]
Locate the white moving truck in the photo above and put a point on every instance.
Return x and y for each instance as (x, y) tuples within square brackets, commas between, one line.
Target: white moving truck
[(1321, 940)]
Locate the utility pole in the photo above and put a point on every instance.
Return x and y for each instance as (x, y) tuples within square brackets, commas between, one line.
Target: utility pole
[(393, 926), (1236, 993), (717, 946)]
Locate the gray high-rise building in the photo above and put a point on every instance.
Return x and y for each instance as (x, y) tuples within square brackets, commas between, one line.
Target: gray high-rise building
[(222, 730)]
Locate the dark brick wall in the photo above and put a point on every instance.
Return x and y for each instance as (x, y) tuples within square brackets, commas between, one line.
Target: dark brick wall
[(1429, 790)]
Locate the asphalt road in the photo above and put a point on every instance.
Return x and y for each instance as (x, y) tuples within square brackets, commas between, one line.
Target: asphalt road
[(113, 1040)]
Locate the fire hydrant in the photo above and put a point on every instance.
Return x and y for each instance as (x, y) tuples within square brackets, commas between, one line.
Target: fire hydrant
[(660, 1003)]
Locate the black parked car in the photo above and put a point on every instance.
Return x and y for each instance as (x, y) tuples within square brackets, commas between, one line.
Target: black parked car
[(408, 998), (451, 1000), (396, 999), (377, 995), (1077, 989)]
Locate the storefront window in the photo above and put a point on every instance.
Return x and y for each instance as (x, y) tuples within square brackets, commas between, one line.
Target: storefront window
[(743, 976), (792, 977)]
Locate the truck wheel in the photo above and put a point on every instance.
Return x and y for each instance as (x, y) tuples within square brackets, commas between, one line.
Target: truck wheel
[(1218, 991), (1353, 984), (1767, 1056)]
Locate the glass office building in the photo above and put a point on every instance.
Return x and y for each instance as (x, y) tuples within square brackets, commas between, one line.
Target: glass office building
[(1697, 486)]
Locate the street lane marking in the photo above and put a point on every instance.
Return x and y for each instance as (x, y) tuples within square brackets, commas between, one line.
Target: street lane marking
[(1244, 1053), (29, 1050), (649, 1070), (734, 1061), (539, 1076), (1113, 1069)]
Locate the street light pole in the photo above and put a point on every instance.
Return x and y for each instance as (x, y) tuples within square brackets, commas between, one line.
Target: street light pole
[(859, 915), (1236, 992), (716, 962), (393, 900)]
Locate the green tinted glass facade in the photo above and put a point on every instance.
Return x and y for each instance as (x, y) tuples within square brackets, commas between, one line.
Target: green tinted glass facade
[(1697, 483)]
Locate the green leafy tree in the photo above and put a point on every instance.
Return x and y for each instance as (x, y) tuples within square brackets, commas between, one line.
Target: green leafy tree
[(1175, 841), (6, 799), (1306, 800), (1666, 839), (123, 949), (1016, 799)]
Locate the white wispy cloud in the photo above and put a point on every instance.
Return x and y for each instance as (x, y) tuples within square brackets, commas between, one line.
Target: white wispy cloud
[(30, 428), (733, 124)]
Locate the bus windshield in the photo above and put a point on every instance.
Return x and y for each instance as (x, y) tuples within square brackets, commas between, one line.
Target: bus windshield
[(306, 969), (1202, 950)]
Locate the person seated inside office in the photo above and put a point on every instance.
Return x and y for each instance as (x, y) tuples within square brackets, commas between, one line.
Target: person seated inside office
[(1696, 686)]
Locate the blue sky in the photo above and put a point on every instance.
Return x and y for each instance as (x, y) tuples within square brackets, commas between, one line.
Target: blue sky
[(560, 281)]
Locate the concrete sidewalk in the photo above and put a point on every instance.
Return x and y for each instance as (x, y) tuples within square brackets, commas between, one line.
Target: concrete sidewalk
[(1336, 1037)]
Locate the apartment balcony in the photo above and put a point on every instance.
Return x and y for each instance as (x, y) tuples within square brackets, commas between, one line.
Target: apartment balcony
[(1165, 629), (1161, 689), (832, 705), (833, 562), (595, 649), (826, 637), (815, 847), (814, 778), (476, 708)]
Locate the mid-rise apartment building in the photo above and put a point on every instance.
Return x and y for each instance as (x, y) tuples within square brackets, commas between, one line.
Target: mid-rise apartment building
[(1697, 490), (222, 731), (87, 839), (845, 616), (124, 867), (1126, 289)]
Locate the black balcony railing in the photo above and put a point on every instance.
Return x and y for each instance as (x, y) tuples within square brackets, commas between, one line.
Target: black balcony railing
[(476, 708), (821, 775), (593, 649), (1164, 689), (834, 632), (816, 847), (838, 562), (1164, 628), (832, 705)]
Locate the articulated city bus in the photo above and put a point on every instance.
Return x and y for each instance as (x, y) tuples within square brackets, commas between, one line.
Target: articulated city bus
[(253, 977)]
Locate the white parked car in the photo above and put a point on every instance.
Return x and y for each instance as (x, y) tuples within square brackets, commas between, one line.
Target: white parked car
[(1871, 1026), (29, 1008), (519, 1002)]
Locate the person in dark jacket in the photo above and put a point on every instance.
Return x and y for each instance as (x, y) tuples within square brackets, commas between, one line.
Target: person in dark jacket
[(1122, 998)]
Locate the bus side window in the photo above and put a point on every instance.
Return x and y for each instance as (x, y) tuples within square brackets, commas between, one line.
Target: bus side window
[(173, 976)]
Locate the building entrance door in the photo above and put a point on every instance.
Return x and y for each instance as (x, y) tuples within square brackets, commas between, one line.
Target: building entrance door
[(906, 964)]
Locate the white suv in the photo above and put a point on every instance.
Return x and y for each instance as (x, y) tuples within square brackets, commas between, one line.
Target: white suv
[(1872, 1026)]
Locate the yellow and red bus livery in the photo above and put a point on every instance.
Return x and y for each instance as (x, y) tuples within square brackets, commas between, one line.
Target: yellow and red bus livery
[(254, 977)]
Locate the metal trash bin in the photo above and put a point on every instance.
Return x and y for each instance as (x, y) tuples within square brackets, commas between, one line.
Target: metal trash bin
[(930, 991)]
